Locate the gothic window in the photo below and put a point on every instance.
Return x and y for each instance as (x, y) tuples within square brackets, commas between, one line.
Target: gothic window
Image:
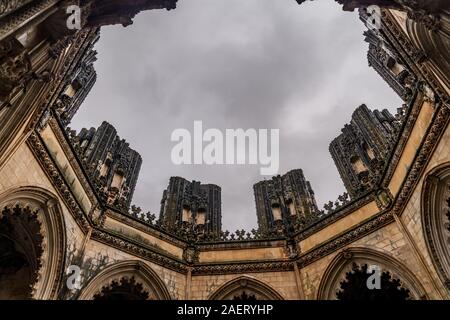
[(20, 252), (125, 289), (357, 165), (354, 287), (201, 217), (369, 152), (104, 167), (70, 91), (117, 180), (276, 212), (187, 214), (290, 204)]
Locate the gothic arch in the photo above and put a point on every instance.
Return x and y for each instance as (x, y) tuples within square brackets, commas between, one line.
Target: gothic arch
[(346, 259), (135, 273), (436, 219), (34, 215), (245, 287)]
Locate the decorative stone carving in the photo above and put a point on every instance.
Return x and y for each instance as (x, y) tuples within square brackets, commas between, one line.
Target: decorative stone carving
[(291, 249), (8, 6), (15, 67), (112, 165), (283, 201), (361, 150), (191, 206), (191, 254)]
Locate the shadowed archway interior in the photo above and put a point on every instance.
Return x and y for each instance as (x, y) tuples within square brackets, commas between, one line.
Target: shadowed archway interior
[(354, 287), (125, 289), (20, 252), (245, 289)]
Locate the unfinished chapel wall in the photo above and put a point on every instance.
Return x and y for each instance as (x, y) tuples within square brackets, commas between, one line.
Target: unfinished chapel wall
[(72, 191)]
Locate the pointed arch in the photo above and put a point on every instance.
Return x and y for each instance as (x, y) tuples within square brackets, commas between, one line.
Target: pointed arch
[(345, 261), (245, 286), (436, 220), (43, 206), (131, 271)]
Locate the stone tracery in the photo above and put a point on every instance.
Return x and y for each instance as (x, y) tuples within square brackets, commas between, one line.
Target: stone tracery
[(124, 289), (354, 287), (346, 277), (31, 230)]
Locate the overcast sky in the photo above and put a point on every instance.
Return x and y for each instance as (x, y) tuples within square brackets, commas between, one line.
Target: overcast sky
[(259, 64)]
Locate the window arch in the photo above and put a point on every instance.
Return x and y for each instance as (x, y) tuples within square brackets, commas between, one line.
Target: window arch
[(127, 280), (32, 235), (245, 288), (348, 265), (436, 220)]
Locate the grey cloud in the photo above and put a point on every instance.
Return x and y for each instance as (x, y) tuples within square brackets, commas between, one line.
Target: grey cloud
[(234, 64)]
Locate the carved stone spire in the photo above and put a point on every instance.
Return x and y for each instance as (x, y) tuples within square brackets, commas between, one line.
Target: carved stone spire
[(284, 198), (186, 203), (112, 165), (361, 150)]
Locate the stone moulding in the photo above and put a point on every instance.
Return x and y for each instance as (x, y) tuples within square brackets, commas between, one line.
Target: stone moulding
[(247, 244), (268, 266), (73, 159), (40, 151), (354, 234), (434, 132), (138, 224), (335, 216), (414, 110), (125, 245), (10, 24)]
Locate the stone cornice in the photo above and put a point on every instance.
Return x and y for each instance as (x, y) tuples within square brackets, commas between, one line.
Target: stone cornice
[(243, 267), (242, 244), (342, 240), (335, 216)]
